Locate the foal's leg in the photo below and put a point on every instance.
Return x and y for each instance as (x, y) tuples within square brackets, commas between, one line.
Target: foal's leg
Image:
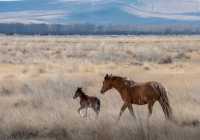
[(95, 109), (96, 112), (123, 108), (79, 110), (130, 108), (86, 109)]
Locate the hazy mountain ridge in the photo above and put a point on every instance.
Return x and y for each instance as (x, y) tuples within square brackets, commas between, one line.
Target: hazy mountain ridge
[(92, 29)]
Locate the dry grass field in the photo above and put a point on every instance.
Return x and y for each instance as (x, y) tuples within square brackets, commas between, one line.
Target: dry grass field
[(39, 75)]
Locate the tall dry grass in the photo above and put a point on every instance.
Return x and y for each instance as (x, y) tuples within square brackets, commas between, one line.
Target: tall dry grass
[(39, 75)]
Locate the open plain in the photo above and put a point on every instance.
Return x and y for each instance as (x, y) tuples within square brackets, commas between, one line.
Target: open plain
[(39, 75)]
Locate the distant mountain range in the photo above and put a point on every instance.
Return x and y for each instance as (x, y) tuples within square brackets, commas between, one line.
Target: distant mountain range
[(92, 29), (141, 14)]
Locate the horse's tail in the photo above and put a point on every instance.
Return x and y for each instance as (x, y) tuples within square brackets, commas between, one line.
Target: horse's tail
[(163, 100)]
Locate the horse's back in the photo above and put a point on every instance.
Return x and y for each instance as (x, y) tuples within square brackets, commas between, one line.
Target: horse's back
[(142, 93)]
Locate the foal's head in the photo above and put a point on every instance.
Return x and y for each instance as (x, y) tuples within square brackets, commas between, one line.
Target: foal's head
[(107, 83), (78, 92)]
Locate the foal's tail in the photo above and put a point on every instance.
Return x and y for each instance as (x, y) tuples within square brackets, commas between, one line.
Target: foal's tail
[(164, 101), (98, 105)]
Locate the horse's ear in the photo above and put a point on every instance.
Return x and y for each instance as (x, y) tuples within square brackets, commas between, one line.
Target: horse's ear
[(79, 88), (106, 77)]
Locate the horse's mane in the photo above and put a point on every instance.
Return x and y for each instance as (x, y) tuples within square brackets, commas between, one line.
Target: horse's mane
[(126, 81), (118, 77)]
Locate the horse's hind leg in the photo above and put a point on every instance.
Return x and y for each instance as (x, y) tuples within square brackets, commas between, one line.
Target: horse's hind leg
[(130, 108), (150, 107)]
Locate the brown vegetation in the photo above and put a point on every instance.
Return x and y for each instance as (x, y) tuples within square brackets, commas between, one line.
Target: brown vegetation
[(39, 75)]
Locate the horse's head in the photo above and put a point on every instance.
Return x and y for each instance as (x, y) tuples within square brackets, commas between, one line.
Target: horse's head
[(107, 83), (77, 93)]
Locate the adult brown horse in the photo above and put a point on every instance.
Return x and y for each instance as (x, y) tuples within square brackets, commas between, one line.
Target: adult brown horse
[(138, 93)]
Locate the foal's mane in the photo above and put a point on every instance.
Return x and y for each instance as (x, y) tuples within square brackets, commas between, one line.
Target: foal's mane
[(81, 91)]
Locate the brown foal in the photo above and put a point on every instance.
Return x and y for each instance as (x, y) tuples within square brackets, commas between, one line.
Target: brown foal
[(87, 102)]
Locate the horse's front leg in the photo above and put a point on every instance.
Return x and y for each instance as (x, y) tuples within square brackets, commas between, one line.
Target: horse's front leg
[(123, 108), (130, 108)]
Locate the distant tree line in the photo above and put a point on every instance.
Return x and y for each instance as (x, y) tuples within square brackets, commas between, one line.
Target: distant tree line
[(91, 29)]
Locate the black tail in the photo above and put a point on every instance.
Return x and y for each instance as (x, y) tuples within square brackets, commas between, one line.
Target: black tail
[(98, 105)]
